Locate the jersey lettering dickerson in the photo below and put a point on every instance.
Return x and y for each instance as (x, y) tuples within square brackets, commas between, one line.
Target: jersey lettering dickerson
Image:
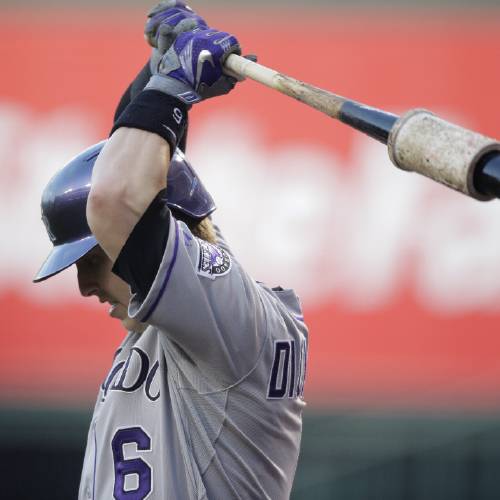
[(206, 403)]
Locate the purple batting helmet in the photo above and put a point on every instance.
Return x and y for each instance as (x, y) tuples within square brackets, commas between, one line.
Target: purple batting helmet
[(64, 202)]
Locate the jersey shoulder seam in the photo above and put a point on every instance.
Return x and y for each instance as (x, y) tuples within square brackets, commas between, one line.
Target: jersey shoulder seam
[(261, 352), (217, 437)]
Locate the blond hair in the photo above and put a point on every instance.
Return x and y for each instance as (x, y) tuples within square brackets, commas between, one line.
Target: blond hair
[(204, 230)]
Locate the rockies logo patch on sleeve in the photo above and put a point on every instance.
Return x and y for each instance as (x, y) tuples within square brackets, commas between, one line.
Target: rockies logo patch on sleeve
[(213, 261)]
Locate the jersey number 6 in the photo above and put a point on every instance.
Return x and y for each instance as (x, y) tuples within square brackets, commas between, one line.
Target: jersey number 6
[(131, 467)]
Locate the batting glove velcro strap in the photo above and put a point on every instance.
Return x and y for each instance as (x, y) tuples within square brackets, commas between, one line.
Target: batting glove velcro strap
[(156, 112), (173, 87)]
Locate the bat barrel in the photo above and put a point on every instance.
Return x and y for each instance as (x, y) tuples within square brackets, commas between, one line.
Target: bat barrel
[(487, 175), (449, 154), (371, 121)]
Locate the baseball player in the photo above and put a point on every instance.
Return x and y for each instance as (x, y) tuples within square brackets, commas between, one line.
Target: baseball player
[(204, 397)]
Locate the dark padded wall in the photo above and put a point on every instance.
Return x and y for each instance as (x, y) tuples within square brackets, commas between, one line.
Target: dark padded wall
[(348, 456)]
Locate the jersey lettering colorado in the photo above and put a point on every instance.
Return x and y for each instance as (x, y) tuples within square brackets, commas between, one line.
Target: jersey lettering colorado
[(207, 402)]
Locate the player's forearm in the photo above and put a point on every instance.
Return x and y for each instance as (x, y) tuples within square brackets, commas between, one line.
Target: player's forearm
[(130, 171), (132, 167)]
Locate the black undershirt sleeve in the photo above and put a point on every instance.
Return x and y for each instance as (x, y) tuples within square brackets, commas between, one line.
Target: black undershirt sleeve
[(141, 256), (133, 89)]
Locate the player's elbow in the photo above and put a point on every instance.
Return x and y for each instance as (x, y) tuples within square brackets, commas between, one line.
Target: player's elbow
[(114, 208), (110, 219), (130, 171), (102, 210)]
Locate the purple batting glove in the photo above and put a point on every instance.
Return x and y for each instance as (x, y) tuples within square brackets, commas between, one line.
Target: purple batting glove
[(192, 69), (167, 20)]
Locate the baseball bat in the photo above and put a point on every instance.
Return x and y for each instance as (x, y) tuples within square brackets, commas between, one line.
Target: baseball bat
[(417, 141)]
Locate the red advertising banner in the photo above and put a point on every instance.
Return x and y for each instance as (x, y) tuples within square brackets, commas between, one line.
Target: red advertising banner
[(399, 277)]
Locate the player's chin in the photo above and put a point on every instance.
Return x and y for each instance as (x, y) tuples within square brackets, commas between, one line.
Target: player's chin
[(118, 311)]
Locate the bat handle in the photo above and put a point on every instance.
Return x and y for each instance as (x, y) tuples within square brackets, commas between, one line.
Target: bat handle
[(241, 68), (371, 121), (317, 98)]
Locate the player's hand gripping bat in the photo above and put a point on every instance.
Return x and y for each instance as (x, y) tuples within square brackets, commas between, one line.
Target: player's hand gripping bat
[(418, 141)]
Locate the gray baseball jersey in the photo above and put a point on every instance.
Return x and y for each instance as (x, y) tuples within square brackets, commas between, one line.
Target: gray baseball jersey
[(206, 403)]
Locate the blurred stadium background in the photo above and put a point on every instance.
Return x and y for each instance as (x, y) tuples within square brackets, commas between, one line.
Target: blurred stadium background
[(400, 278)]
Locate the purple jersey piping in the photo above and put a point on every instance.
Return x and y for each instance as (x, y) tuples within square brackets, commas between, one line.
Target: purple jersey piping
[(167, 277), (95, 461)]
